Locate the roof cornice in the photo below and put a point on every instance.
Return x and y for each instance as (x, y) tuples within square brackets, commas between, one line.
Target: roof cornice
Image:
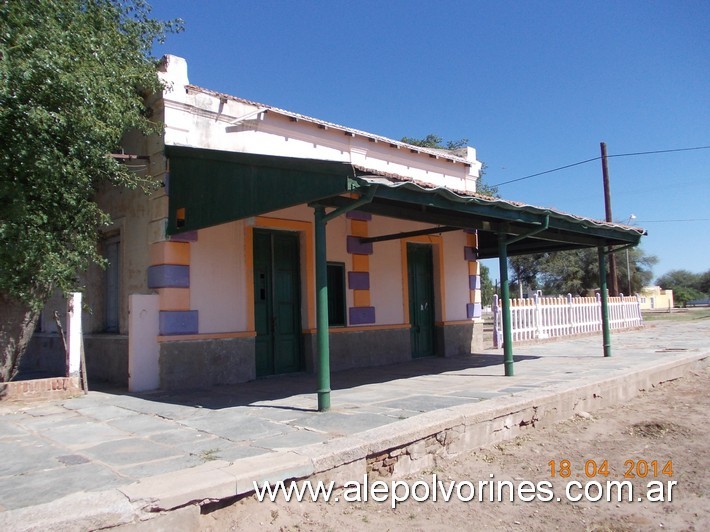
[(323, 124)]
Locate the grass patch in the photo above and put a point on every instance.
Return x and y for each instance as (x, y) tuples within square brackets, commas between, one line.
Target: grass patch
[(678, 314), (209, 454)]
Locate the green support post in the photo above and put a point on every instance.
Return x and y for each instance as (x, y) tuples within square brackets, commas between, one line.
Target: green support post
[(505, 301), (604, 301), (322, 334), (323, 341), (503, 243)]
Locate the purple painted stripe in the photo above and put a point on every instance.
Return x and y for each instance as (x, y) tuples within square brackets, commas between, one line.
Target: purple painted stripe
[(178, 322), (474, 282), (190, 236), (356, 247), (169, 276), (470, 253), (359, 215), (473, 310), (359, 280), (361, 315)]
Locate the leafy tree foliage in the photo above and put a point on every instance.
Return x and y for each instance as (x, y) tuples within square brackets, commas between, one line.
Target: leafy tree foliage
[(525, 271), (683, 294), (675, 279), (73, 77), (486, 286), (576, 272), (570, 272), (704, 282), (686, 285), (641, 270), (436, 142)]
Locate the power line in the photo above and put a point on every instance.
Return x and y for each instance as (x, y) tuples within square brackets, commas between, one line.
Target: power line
[(667, 221), (659, 151), (547, 171), (598, 158)]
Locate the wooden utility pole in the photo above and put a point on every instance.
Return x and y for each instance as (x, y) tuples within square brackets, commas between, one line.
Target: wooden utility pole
[(613, 280)]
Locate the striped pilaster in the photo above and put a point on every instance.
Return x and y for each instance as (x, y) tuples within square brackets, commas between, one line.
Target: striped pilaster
[(473, 308), (362, 312), (169, 275)]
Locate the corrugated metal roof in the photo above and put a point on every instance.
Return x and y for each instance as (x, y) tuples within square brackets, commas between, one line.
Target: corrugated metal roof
[(212, 187), (459, 196)]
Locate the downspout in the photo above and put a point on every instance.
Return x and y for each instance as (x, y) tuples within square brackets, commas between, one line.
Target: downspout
[(603, 289), (505, 292), (322, 339), (606, 335), (505, 302), (322, 335)]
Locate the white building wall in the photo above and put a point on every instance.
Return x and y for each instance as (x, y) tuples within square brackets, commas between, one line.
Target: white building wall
[(387, 264), (198, 118), (218, 279), (386, 282), (455, 276)]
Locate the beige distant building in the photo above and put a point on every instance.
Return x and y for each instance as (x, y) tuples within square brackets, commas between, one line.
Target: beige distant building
[(655, 298)]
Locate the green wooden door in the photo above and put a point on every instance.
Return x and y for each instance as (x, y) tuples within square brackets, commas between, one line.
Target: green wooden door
[(277, 303), (420, 271)]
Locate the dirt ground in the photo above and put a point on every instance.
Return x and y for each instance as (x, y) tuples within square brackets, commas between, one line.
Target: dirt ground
[(665, 423)]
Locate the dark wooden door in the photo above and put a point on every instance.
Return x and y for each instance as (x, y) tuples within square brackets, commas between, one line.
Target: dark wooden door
[(420, 271), (277, 302)]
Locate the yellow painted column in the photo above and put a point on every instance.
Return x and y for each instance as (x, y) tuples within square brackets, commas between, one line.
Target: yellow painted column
[(169, 276), (362, 312)]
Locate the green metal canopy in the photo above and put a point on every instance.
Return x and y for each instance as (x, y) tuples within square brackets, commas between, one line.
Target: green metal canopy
[(209, 187), (531, 229)]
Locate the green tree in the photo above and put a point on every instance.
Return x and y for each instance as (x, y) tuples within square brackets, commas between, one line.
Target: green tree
[(704, 282), (525, 270), (676, 279), (486, 286), (573, 272), (576, 272), (436, 142), (683, 294), (73, 79), (686, 285), (641, 270)]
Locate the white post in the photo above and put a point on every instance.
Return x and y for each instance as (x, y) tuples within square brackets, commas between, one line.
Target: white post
[(143, 347), (497, 336), (541, 334), (598, 313), (74, 334)]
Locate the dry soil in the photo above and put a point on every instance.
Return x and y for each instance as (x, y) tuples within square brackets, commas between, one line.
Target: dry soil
[(667, 423)]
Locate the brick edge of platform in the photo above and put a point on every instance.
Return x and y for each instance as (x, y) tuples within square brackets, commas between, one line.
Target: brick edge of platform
[(53, 388)]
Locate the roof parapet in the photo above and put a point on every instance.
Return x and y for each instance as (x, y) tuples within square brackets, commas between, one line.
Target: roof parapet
[(172, 71)]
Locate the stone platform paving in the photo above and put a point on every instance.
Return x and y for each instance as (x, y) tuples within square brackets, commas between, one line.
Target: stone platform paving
[(106, 457)]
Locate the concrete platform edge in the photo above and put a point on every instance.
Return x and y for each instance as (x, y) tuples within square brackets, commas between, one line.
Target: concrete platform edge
[(397, 450)]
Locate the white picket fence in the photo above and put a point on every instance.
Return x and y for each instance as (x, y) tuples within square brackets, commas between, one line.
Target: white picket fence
[(539, 318)]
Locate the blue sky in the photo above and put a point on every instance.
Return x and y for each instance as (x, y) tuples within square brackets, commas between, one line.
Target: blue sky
[(532, 85)]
